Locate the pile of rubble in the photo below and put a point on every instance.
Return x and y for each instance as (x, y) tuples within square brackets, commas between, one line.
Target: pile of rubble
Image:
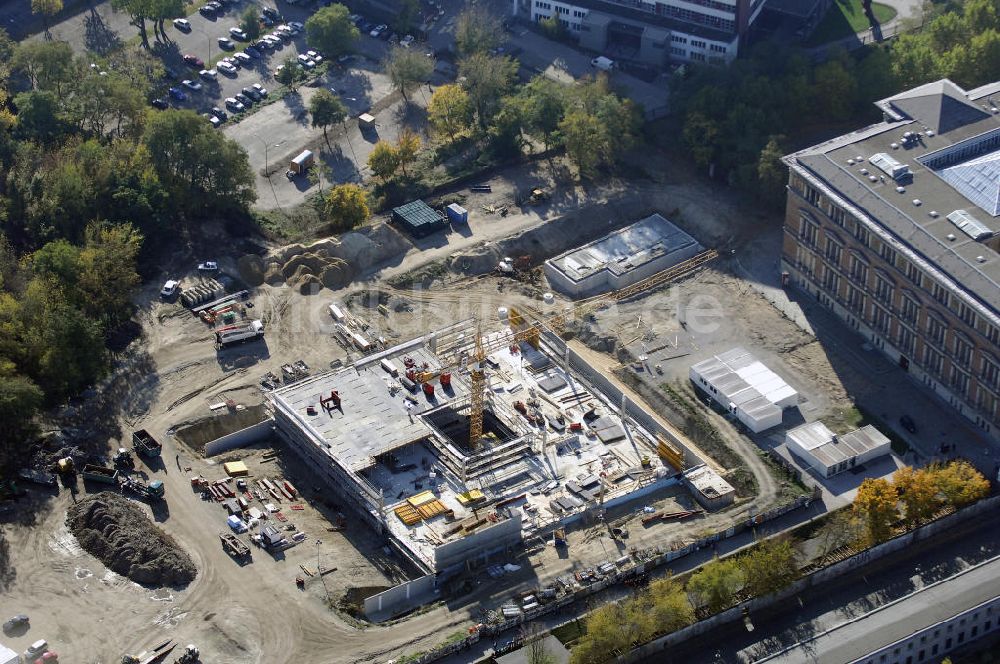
[(116, 531)]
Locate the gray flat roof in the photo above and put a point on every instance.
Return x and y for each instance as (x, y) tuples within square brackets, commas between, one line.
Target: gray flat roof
[(373, 420), (625, 249), (948, 253), (830, 449)]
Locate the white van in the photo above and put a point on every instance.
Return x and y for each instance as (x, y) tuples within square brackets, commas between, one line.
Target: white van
[(603, 63)]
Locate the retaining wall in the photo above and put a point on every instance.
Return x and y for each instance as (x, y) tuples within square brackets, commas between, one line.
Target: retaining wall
[(248, 436), (399, 595)]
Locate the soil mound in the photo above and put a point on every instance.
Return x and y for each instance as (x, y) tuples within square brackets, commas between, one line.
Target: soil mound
[(113, 529)]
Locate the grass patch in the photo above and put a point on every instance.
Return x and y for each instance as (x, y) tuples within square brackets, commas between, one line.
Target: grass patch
[(845, 18), (570, 632)]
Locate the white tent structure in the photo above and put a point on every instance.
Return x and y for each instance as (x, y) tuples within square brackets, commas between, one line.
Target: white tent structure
[(745, 387)]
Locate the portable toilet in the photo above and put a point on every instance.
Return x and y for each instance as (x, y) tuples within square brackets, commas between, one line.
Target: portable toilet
[(366, 121), (457, 214)]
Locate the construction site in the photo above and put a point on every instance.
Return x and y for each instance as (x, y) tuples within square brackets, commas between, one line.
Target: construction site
[(449, 441)]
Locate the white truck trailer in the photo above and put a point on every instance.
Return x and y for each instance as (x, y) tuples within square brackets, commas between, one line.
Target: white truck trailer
[(238, 334)]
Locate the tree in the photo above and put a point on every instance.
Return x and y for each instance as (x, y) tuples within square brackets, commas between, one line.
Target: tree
[(383, 160), (612, 629), (406, 16), (542, 103), (670, 607), (769, 567), (326, 109), (450, 110), (198, 165), (875, 505), (487, 80), (537, 650), (918, 491), (582, 135), (842, 528), (406, 148), (716, 584), (407, 68), (20, 400), (553, 28), (47, 9), (772, 173), (290, 74), (346, 205), (250, 23), (960, 483), (700, 134), (330, 30), (477, 30), (39, 117), (138, 11), (48, 65), (107, 276)]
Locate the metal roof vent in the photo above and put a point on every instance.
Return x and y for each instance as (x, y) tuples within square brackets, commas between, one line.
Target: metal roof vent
[(980, 259), (890, 166), (951, 237), (930, 132), (872, 178), (850, 162), (901, 190), (917, 202), (859, 158), (969, 225), (864, 171), (933, 214), (994, 109), (894, 145)]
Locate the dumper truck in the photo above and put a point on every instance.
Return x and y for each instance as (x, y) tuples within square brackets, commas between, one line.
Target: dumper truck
[(150, 492), (102, 474), (144, 444), (234, 546), (238, 334)]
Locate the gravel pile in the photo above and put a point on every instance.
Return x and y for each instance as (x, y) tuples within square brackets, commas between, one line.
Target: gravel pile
[(115, 530)]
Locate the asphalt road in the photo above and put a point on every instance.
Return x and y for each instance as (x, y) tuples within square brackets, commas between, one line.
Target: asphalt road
[(829, 605)]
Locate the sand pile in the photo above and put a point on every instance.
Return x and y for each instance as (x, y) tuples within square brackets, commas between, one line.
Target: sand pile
[(332, 263), (116, 531)]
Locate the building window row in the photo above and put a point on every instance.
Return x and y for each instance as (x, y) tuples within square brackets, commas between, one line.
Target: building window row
[(678, 51), (717, 48), (678, 39)]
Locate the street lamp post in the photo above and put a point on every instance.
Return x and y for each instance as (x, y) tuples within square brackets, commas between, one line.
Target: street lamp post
[(266, 174)]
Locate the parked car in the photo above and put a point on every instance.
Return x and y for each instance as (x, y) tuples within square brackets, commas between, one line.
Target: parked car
[(406, 41), (182, 24), (177, 94), (251, 93), (296, 25), (238, 33), (194, 61), (208, 266), (191, 85), (208, 74), (243, 99), (227, 68), (217, 6), (160, 103), (271, 12), (19, 621), (219, 113), (261, 90), (214, 121), (242, 58), (206, 11), (252, 52), (226, 44), (314, 56), (306, 61), (378, 30), (283, 35), (234, 105), (907, 423), (266, 20), (169, 288), (35, 650)]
